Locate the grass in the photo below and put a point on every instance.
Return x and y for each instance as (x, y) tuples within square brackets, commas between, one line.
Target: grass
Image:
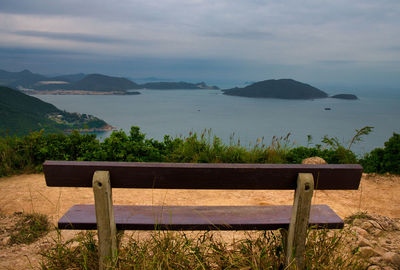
[(167, 250), (29, 228), (358, 215)]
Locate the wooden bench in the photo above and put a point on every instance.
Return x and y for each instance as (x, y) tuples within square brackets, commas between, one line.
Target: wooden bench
[(103, 176)]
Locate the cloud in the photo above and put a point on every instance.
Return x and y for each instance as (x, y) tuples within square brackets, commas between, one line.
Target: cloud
[(72, 36), (309, 33)]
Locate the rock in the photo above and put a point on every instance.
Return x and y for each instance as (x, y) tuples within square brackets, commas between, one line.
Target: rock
[(359, 231), (363, 242), (368, 252), (374, 267), (392, 257), (371, 227), (388, 268), (314, 160), (357, 222), (5, 240), (375, 260)]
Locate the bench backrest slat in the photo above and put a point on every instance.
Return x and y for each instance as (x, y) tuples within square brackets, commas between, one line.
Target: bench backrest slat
[(201, 176)]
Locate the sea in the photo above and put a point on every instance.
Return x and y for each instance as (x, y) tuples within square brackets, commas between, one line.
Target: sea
[(247, 121)]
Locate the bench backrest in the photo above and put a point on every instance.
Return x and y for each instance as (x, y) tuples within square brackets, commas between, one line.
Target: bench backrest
[(201, 176)]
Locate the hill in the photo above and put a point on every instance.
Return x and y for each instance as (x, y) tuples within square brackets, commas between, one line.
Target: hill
[(69, 77), (99, 82), (88, 84), (283, 89), (23, 79), (20, 114), (176, 85)]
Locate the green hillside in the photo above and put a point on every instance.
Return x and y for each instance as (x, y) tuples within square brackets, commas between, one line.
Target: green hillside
[(98, 82), (20, 114), (283, 88)]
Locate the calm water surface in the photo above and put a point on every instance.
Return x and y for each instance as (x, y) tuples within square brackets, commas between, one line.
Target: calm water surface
[(178, 112)]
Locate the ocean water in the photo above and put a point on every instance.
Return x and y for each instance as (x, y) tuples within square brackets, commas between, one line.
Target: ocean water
[(178, 112)]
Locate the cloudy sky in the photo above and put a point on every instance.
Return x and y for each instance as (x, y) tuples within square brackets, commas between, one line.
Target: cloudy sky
[(341, 42)]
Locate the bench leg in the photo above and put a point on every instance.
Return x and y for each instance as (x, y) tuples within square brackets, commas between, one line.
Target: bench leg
[(105, 218), (299, 221)]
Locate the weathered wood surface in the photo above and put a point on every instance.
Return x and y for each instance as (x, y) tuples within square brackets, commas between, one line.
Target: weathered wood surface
[(201, 176), (133, 217), (106, 228), (296, 240)]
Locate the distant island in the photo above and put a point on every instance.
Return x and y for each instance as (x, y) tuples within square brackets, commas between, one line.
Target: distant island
[(177, 85), (282, 89), (345, 96), (21, 114), (81, 84)]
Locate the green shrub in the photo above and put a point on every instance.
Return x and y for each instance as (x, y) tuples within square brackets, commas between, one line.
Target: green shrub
[(27, 154), (339, 155), (382, 160)]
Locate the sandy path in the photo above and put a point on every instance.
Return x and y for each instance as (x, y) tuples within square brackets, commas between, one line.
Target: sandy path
[(377, 194)]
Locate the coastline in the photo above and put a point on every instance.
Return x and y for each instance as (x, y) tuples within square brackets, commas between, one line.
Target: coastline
[(104, 128), (77, 92)]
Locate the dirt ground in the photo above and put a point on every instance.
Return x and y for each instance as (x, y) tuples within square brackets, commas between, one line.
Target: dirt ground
[(376, 195), (28, 193)]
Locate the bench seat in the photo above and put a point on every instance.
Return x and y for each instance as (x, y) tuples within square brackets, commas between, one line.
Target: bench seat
[(132, 217)]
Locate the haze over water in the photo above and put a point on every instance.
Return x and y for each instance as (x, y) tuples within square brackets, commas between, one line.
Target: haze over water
[(178, 112)]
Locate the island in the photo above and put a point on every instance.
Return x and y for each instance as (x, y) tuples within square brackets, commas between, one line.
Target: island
[(282, 89), (82, 84), (177, 85), (21, 114), (345, 96)]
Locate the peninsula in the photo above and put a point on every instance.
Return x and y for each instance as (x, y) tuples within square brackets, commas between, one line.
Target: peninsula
[(21, 114)]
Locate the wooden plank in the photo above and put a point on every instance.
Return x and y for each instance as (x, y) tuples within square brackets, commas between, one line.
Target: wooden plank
[(132, 217), (201, 176), (296, 241), (107, 231)]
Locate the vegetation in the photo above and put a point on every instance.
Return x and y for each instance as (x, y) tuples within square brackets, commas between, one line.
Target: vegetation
[(384, 160), (27, 153), (29, 228), (283, 88), (21, 114), (166, 250)]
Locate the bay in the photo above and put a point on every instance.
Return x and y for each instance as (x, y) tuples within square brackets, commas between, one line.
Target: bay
[(179, 112)]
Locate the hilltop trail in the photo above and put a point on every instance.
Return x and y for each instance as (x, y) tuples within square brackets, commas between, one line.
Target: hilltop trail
[(376, 195)]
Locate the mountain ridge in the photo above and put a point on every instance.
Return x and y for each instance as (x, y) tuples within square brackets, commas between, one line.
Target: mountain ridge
[(28, 81)]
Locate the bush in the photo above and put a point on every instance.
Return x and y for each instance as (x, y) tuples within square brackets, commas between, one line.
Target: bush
[(340, 155), (382, 160), (27, 154)]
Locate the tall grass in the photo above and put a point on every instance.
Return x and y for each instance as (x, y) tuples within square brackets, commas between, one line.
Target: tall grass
[(29, 228), (167, 250)]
